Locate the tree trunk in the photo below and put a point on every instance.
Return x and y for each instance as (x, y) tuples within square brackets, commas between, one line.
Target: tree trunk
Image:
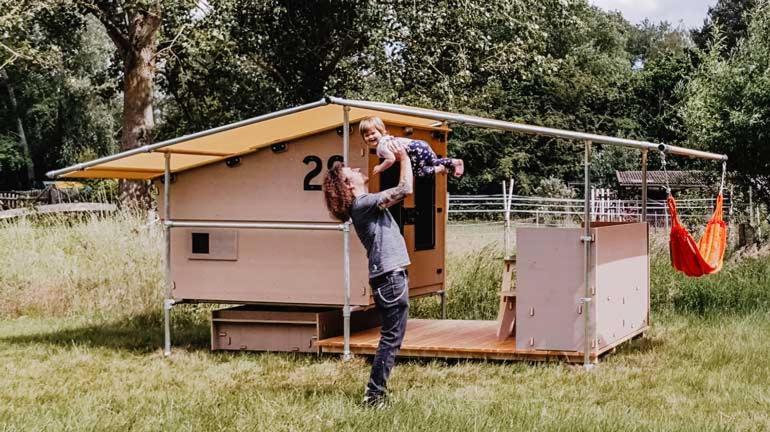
[(23, 145), (138, 121)]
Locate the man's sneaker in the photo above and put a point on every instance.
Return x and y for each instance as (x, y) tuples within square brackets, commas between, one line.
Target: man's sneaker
[(375, 402)]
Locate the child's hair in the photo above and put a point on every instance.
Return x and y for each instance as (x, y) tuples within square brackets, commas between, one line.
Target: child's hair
[(338, 196), (372, 122)]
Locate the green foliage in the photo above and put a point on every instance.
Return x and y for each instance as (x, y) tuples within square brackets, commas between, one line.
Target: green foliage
[(727, 109), (69, 110), (728, 18), (555, 63), (553, 187), (241, 58), (560, 64), (741, 287), (11, 159)]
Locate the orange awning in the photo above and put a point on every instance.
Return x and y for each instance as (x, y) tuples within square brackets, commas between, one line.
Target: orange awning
[(233, 140)]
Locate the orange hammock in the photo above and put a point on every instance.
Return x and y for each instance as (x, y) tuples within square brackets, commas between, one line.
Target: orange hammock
[(704, 257)]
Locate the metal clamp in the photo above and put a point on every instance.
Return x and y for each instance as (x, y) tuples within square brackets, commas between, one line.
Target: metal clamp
[(589, 239), (168, 303)]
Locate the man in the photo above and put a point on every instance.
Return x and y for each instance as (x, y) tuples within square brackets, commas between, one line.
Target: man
[(347, 196)]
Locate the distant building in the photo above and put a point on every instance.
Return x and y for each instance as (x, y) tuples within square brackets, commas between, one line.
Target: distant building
[(630, 182)]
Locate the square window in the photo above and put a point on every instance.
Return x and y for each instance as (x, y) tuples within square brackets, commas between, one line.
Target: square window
[(200, 243)]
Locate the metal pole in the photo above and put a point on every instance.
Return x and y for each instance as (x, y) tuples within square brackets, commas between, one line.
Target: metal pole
[(346, 241), (508, 215), (644, 185), (168, 302), (587, 239), (254, 225), (519, 127), (507, 218), (346, 308), (442, 293)]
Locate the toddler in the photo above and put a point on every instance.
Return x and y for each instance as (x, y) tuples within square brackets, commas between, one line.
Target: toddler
[(423, 158)]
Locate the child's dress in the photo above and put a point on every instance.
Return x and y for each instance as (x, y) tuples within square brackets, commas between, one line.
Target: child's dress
[(424, 159)]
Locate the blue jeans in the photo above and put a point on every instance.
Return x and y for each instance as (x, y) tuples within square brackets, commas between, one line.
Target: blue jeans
[(391, 295)]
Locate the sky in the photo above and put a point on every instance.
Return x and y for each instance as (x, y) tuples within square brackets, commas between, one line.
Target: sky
[(691, 13)]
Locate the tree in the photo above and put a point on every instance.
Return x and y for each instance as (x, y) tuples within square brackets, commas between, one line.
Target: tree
[(13, 108), (133, 26), (728, 104), (732, 17), (240, 58), (554, 63), (36, 39)]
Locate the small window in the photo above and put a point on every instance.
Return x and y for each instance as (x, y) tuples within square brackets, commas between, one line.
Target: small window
[(200, 243)]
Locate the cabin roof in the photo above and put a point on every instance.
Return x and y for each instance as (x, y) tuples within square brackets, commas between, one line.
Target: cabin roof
[(218, 144)]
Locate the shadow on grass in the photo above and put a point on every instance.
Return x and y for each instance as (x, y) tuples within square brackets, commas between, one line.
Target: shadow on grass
[(639, 345), (139, 333)]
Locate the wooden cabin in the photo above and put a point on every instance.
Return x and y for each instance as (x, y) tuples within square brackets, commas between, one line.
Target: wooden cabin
[(247, 225), (282, 183)]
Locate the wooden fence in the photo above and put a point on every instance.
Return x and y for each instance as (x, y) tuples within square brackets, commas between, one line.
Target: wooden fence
[(14, 200)]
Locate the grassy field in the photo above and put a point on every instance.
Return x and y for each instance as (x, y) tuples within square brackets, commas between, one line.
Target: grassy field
[(80, 350)]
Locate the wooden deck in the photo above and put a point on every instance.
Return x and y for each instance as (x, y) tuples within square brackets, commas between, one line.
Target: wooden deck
[(453, 339)]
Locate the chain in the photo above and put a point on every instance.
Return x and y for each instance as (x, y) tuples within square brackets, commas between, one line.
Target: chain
[(665, 171), (722, 184)]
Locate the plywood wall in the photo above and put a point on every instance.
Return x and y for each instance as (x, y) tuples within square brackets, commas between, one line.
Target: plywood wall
[(287, 267)]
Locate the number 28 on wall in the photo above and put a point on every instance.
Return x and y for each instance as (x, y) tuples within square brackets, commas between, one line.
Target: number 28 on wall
[(318, 165)]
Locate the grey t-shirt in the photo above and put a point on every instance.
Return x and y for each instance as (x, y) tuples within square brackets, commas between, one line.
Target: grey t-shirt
[(379, 233)]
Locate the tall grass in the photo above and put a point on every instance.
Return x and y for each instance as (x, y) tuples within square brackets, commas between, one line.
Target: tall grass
[(473, 286), (112, 266), (65, 266), (742, 286)]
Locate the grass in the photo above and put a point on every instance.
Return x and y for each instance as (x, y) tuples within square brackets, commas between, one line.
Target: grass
[(691, 373), (66, 367), (63, 266)]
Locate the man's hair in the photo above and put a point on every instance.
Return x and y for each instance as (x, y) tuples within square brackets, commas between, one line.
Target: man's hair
[(339, 197), (372, 122)]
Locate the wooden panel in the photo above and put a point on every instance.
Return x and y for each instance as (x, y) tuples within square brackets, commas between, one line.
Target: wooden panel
[(622, 280), (550, 281), (256, 336), (221, 244), (265, 186), (281, 328), (273, 266)]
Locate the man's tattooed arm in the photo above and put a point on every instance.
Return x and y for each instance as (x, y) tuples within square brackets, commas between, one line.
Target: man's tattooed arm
[(394, 195)]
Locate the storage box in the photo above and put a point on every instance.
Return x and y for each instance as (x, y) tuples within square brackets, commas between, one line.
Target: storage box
[(281, 328), (550, 286)]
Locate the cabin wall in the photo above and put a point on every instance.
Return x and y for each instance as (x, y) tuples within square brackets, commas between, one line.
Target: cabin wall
[(280, 266)]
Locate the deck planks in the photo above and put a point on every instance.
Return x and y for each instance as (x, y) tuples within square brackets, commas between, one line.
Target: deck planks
[(452, 339)]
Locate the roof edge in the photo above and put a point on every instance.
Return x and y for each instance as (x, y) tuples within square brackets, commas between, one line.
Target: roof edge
[(152, 147)]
